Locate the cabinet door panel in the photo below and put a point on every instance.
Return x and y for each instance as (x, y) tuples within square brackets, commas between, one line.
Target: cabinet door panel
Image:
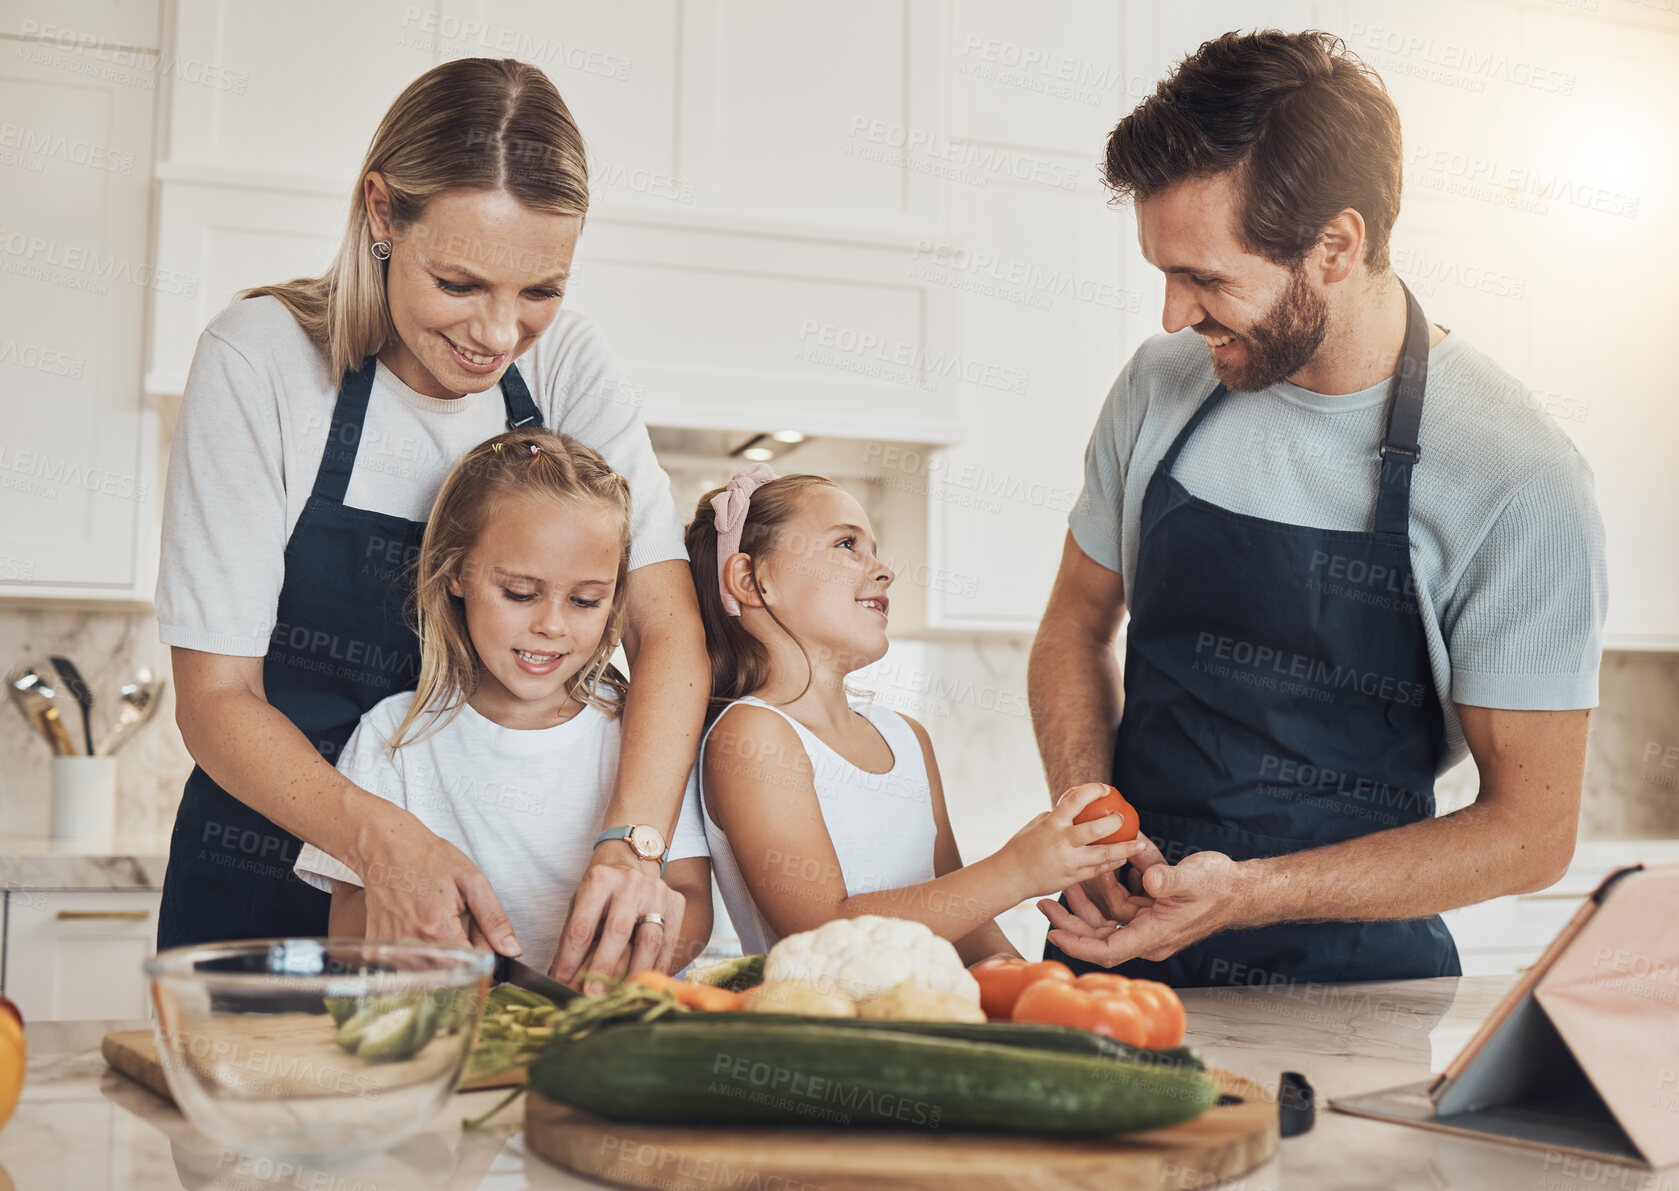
[(76, 954), (74, 275)]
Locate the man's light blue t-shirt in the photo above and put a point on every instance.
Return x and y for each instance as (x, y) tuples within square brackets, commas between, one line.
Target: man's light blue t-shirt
[(1506, 542)]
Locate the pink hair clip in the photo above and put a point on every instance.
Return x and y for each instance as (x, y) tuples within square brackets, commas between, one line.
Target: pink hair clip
[(535, 449), (731, 506)]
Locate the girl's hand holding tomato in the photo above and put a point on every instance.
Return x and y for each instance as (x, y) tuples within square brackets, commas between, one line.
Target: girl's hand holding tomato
[(1108, 802), (1141, 1013), (1056, 849), (1001, 981)]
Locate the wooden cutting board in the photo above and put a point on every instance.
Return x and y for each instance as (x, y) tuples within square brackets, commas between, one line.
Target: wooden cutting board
[(1222, 1143), (292, 1054)]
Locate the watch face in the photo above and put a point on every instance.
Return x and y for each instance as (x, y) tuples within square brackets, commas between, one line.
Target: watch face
[(647, 842)]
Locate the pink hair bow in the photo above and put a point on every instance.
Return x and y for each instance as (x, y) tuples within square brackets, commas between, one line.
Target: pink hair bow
[(731, 506)]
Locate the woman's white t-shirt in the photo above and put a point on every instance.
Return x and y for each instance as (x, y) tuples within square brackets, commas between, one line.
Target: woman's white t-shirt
[(881, 824), (525, 805), (253, 425)]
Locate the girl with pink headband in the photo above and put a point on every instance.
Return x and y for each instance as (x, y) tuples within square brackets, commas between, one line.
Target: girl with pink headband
[(817, 807)]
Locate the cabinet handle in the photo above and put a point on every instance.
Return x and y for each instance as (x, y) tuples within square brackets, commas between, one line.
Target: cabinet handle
[(103, 915)]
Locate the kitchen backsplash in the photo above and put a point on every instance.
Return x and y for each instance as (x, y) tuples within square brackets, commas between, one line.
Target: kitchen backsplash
[(971, 694)]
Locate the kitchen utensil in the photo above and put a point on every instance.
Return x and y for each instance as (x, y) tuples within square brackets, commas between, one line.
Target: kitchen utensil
[(521, 975), (250, 1046), (32, 695), (84, 798), (136, 702), (78, 690), (1226, 1141)]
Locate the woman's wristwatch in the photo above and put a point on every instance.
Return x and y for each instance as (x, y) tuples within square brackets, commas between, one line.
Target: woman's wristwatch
[(646, 842)]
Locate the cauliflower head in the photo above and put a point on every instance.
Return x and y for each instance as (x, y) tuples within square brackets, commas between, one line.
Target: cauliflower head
[(858, 957)]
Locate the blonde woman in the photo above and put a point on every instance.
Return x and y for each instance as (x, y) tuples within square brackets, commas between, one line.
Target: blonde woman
[(319, 420), (509, 746)]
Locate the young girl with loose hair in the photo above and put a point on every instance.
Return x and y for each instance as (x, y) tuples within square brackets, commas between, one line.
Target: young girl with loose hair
[(508, 747), (318, 422), (816, 808)]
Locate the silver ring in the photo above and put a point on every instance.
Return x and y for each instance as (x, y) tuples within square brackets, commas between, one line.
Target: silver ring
[(656, 919)]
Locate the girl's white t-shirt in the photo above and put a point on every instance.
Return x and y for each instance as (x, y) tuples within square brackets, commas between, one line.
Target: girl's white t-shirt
[(525, 805), (881, 824), (253, 424)]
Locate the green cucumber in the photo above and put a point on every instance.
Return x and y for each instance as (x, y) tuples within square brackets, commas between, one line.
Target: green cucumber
[(1063, 1039), (740, 1072)]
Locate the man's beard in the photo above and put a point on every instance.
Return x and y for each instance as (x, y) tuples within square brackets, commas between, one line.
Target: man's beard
[(1279, 344)]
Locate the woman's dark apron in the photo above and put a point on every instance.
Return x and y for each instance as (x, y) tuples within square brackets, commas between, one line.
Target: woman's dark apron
[(341, 643), (1278, 696)]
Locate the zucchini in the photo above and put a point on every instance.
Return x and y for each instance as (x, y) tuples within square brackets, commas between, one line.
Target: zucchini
[(745, 1073), (1062, 1039)]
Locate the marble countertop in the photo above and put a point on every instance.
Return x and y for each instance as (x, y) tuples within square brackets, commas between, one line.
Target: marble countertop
[(118, 862), (80, 1126)]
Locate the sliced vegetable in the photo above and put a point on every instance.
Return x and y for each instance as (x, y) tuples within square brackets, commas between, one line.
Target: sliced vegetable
[(689, 996), (798, 997), (718, 1071), (736, 975), (1002, 980), (910, 1001)]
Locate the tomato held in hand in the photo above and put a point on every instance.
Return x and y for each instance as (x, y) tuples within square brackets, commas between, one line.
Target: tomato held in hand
[(1111, 803), (1141, 1013), (1001, 982)]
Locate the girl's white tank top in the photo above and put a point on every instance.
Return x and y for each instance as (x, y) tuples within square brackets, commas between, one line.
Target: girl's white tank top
[(881, 824)]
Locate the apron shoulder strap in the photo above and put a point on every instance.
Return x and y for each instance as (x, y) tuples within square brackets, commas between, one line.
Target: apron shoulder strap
[(1400, 450), (1171, 456), (332, 478), (521, 410)]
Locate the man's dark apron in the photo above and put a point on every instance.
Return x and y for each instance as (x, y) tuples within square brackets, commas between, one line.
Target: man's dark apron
[(341, 643), (1278, 696)]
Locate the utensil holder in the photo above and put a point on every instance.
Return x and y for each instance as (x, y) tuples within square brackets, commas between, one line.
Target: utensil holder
[(84, 797)]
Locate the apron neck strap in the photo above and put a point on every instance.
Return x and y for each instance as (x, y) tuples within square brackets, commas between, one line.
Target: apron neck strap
[(521, 410), (332, 479), (1399, 451), (1171, 456)]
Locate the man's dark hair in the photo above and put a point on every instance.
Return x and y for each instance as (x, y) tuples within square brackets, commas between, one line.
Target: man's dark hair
[(1308, 128)]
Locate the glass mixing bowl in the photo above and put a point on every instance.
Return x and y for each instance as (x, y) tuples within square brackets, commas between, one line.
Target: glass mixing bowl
[(322, 1049)]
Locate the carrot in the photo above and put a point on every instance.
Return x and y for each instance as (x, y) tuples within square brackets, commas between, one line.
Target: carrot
[(654, 979), (713, 1000)]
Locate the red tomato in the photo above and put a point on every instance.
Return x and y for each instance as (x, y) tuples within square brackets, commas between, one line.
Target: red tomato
[(1095, 1009), (1139, 1012), (1111, 803), (1002, 980)]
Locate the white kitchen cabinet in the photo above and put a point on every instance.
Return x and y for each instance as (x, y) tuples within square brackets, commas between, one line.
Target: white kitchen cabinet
[(77, 953), (77, 444)]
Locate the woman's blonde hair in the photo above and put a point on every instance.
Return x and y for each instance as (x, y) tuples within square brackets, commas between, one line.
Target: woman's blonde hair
[(470, 124), (516, 464), (740, 663)]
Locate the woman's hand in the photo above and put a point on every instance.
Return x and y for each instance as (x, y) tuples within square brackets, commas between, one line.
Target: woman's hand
[(605, 932), (1052, 852), (420, 886)]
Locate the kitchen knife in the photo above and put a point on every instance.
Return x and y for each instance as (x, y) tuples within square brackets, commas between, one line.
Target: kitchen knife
[(520, 975)]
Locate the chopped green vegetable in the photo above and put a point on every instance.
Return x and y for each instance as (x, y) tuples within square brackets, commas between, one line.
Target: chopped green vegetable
[(736, 975)]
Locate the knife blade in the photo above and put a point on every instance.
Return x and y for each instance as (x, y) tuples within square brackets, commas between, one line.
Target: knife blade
[(521, 975)]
